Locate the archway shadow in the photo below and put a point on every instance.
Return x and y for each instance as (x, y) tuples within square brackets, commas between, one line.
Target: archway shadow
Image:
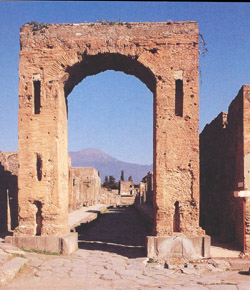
[(121, 231), (8, 201)]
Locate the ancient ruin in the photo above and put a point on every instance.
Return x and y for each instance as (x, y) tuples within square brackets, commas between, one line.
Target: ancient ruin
[(146, 189), (84, 187), (225, 169), (121, 193), (53, 59)]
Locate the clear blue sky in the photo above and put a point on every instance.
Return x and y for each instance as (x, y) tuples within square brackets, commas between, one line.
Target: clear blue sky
[(113, 111)]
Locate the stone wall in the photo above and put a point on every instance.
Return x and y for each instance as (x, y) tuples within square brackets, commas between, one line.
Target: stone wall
[(113, 198), (8, 191), (225, 167), (110, 197)]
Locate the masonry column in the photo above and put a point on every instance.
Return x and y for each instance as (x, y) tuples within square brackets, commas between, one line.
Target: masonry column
[(42, 158), (176, 153), (176, 175)]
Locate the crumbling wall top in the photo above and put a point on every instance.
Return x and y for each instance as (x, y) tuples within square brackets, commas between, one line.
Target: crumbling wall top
[(131, 30)]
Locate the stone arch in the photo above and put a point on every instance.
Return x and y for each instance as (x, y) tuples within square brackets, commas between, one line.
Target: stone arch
[(94, 64), (91, 65), (59, 56)]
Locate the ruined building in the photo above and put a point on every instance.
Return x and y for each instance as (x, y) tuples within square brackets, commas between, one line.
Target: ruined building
[(125, 195), (146, 189), (127, 187), (53, 60), (225, 173), (84, 187)]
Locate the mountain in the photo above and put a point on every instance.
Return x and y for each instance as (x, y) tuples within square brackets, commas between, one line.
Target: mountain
[(108, 165)]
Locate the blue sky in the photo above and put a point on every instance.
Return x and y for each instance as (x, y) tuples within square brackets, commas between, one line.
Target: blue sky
[(113, 111)]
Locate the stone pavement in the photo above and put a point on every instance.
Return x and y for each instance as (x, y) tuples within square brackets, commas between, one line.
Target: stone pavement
[(12, 259), (85, 215), (111, 256), (86, 269)]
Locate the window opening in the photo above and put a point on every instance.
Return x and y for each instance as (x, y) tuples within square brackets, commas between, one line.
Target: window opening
[(176, 225), (39, 165), (37, 96), (179, 98)]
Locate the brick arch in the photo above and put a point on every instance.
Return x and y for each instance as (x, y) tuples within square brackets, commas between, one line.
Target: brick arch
[(94, 64), (54, 59)]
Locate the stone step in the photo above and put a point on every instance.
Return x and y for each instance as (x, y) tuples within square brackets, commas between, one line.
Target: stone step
[(9, 270)]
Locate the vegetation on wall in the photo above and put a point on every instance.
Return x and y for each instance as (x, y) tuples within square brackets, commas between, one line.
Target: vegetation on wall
[(37, 26)]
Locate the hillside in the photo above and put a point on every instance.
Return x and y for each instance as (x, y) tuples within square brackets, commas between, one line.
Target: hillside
[(108, 165)]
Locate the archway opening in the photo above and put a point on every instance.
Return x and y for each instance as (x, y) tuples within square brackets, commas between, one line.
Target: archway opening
[(99, 113), (124, 113)]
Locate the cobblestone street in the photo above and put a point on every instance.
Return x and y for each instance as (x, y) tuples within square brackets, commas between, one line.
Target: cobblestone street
[(111, 255)]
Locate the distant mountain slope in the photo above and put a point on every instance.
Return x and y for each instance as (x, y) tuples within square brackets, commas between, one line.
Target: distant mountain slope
[(108, 165)]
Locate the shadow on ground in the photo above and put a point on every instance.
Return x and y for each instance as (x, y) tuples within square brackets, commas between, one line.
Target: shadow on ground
[(246, 273), (232, 246), (120, 230)]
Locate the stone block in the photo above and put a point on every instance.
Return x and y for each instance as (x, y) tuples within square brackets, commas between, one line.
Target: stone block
[(40, 243), (69, 243), (53, 244), (181, 246)]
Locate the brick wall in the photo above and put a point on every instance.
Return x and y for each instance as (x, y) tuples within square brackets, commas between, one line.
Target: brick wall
[(224, 149)]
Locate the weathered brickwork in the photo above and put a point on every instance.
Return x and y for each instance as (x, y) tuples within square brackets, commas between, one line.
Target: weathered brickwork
[(57, 57), (8, 191), (225, 171)]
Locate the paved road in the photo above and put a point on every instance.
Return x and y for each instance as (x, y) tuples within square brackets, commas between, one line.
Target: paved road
[(111, 256), (120, 230)]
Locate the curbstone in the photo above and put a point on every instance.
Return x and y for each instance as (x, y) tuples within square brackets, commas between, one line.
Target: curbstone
[(9, 270)]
